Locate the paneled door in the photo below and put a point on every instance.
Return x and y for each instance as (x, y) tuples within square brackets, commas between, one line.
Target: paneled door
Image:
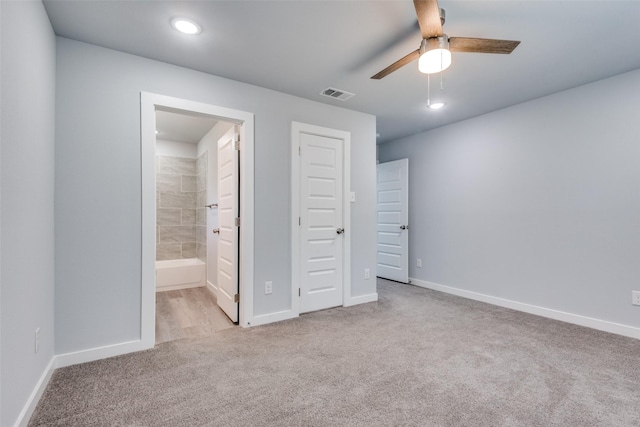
[(321, 222), (228, 220), (393, 220)]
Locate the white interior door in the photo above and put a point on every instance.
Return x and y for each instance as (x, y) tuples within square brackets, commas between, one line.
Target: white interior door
[(228, 209), (321, 222), (393, 220)]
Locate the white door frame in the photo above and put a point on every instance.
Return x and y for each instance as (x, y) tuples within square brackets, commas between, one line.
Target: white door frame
[(297, 128), (148, 104)]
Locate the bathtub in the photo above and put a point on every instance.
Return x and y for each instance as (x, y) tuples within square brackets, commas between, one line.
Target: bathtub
[(180, 274)]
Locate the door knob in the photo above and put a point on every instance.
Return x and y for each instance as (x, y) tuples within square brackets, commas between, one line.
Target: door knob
[(404, 227), (340, 230), (216, 231)]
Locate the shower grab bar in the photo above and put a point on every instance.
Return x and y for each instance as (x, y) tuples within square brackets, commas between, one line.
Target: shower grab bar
[(212, 205)]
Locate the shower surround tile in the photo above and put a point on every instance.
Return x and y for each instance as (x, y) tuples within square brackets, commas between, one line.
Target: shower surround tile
[(165, 251), (180, 200), (189, 216), (177, 233), (201, 252), (201, 235), (183, 201), (201, 215), (189, 183), (166, 183), (189, 250), (172, 216), (177, 165)]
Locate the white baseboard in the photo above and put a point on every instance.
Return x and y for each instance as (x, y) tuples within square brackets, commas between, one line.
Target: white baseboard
[(36, 394), (212, 288), (576, 319), (178, 287), (361, 299), (273, 317), (73, 358)]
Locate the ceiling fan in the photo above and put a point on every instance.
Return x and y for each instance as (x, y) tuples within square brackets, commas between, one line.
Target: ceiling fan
[(434, 54)]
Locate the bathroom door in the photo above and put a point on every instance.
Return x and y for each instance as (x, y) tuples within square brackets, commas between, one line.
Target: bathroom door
[(229, 223)]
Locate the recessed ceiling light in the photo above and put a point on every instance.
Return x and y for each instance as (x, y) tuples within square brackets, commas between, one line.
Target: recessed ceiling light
[(436, 105), (186, 26)]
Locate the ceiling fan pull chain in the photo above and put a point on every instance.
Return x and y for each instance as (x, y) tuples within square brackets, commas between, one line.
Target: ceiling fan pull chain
[(428, 90)]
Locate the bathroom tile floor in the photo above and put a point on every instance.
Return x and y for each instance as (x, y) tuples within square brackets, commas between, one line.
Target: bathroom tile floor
[(188, 313)]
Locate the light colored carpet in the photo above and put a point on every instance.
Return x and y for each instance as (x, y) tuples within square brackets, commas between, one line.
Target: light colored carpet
[(415, 358)]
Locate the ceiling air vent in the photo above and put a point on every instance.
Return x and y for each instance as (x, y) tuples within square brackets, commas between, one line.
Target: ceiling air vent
[(332, 92)]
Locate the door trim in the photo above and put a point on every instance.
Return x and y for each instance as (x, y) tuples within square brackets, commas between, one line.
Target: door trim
[(148, 104), (297, 128)]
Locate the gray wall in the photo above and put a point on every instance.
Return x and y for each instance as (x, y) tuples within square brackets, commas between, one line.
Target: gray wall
[(98, 211), (538, 203), (27, 223)]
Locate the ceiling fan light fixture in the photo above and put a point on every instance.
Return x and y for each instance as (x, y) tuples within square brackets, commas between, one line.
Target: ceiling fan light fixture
[(436, 105), (435, 55)]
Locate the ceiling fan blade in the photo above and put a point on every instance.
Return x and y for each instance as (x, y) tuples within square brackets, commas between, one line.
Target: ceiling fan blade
[(398, 64), (428, 13), (467, 44)]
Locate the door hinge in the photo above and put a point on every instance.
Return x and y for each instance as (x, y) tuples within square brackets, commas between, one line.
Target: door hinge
[(298, 291), (237, 222), (299, 150), (236, 142), (236, 298), (299, 221)]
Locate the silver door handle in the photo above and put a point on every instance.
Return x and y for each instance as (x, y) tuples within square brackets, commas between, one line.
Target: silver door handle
[(404, 227), (340, 230), (216, 231)]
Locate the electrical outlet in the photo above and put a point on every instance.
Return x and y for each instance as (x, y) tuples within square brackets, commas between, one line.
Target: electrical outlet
[(37, 340), (419, 263), (268, 287), (367, 273), (635, 297)]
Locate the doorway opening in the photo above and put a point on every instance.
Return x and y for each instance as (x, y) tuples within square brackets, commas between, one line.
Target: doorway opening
[(185, 216), (187, 226)]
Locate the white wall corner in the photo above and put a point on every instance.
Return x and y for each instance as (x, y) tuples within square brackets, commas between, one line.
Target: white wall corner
[(36, 394), (576, 319)]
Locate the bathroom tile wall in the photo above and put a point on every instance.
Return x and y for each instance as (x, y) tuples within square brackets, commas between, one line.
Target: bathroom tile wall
[(200, 219), (176, 207)]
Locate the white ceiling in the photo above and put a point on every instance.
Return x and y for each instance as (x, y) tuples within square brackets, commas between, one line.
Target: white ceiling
[(182, 126), (303, 47)]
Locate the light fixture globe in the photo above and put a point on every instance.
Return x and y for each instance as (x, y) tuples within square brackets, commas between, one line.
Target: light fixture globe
[(435, 55)]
